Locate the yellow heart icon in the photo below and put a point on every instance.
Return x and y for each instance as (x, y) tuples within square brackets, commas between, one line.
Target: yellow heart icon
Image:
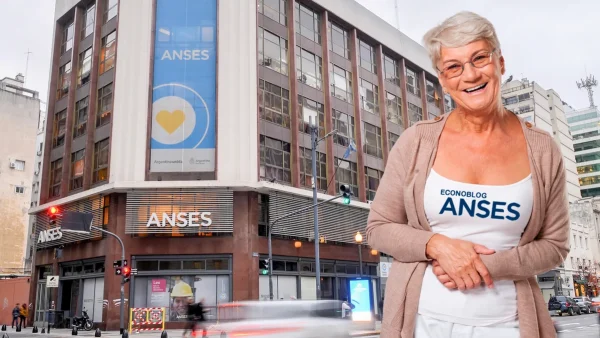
[(170, 121)]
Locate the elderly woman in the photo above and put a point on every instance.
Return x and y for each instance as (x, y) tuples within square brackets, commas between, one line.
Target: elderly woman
[(472, 205)]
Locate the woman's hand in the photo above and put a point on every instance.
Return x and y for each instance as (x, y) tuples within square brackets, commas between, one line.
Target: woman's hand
[(458, 262)]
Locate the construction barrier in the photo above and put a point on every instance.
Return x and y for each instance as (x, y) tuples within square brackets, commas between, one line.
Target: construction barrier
[(147, 319)]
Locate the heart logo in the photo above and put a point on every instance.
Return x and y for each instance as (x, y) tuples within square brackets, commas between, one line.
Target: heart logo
[(170, 121)]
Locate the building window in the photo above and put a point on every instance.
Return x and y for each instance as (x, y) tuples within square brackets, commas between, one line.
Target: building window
[(367, 57), (369, 98), (391, 72), (55, 177), (394, 109), (307, 23), (372, 144), (85, 66), (347, 174), (306, 109), (344, 124), (275, 160), (81, 117), (89, 20), (107, 53), (589, 180), (77, 168), (274, 104), (392, 139), (19, 189), (60, 128), (18, 165), (373, 177), (308, 68), (64, 80), (339, 40), (306, 169), (274, 9), (415, 114), (341, 83), (412, 82), (111, 9), (104, 105), (101, 161), (272, 51), (67, 39), (432, 94)]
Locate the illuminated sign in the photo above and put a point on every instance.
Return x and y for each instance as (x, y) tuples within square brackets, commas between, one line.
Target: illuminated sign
[(360, 297), (50, 235), (180, 219)]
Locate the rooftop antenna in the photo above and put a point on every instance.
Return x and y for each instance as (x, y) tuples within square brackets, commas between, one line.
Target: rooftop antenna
[(26, 67), (587, 84)]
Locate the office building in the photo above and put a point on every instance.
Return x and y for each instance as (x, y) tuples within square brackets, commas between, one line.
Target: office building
[(19, 115), (187, 137), (545, 110), (585, 128)]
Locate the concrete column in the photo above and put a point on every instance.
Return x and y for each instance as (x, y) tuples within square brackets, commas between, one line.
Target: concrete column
[(358, 124)]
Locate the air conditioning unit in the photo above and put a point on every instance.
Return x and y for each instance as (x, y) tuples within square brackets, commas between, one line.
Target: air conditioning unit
[(12, 165)]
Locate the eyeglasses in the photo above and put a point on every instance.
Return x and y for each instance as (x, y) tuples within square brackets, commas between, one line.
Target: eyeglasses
[(480, 60)]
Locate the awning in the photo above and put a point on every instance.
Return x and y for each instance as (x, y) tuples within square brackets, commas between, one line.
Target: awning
[(546, 285)]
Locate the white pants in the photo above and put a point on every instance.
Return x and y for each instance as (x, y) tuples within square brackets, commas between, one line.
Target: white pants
[(428, 327)]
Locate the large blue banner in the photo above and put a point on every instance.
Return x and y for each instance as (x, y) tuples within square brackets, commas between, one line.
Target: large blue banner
[(184, 86)]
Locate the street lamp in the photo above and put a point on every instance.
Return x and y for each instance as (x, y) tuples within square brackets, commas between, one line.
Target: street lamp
[(358, 239), (297, 244)]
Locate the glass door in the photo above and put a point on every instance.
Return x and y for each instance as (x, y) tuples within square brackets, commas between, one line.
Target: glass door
[(41, 302)]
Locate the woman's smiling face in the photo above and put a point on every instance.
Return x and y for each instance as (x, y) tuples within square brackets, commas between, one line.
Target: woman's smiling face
[(474, 88)]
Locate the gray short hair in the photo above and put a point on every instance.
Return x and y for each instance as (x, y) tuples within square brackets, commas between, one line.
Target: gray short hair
[(459, 30)]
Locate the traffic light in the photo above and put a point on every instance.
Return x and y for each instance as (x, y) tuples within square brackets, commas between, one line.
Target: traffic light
[(346, 193), (52, 215), (126, 274), (265, 268)]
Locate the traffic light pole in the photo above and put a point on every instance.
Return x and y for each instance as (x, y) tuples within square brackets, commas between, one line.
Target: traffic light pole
[(270, 231), (122, 305), (314, 142)]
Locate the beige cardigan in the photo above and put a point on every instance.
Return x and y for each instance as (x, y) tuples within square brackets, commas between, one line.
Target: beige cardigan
[(398, 226)]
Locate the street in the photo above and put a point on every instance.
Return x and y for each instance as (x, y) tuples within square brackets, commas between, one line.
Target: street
[(582, 326)]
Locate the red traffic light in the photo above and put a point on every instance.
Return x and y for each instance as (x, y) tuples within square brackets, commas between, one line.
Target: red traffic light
[(126, 270), (53, 210)]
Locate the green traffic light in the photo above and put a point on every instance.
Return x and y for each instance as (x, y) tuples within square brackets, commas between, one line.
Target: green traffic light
[(264, 272), (346, 200)]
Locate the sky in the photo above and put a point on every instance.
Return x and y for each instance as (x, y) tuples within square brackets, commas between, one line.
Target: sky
[(552, 42)]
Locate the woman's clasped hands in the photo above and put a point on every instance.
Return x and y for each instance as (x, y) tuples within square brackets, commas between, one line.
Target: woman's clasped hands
[(457, 263)]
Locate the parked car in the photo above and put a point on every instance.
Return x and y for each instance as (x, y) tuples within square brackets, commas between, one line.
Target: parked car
[(563, 304), (585, 303), (595, 304)]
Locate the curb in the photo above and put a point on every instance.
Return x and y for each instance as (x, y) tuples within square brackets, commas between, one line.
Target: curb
[(365, 333)]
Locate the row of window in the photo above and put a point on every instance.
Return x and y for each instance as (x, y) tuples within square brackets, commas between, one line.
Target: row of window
[(273, 49), (275, 164), (106, 62), (77, 168), (80, 118), (274, 106), (87, 28)]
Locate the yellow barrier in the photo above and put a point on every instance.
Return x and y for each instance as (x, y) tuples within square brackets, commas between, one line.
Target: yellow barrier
[(147, 319)]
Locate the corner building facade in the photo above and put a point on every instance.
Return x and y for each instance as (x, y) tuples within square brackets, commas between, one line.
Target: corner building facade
[(183, 127)]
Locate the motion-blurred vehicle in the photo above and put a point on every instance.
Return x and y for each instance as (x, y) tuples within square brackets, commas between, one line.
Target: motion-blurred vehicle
[(290, 319), (585, 303), (563, 304)]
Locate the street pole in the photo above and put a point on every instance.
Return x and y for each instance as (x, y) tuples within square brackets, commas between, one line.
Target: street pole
[(360, 266), (314, 130), (122, 305)]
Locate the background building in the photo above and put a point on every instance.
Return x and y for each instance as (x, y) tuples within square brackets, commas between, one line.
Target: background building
[(19, 115), (584, 125), (190, 172), (545, 110)]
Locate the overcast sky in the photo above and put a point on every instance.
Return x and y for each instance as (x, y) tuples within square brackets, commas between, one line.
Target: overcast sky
[(551, 42)]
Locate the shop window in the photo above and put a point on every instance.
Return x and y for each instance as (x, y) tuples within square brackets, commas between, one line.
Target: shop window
[(340, 268), (327, 268), (170, 265), (217, 264), (147, 265), (194, 265)]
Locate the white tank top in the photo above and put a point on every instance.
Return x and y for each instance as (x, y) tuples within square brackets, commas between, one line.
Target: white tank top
[(491, 215)]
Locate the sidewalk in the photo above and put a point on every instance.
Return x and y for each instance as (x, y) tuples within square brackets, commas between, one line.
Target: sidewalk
[(64, 333)]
